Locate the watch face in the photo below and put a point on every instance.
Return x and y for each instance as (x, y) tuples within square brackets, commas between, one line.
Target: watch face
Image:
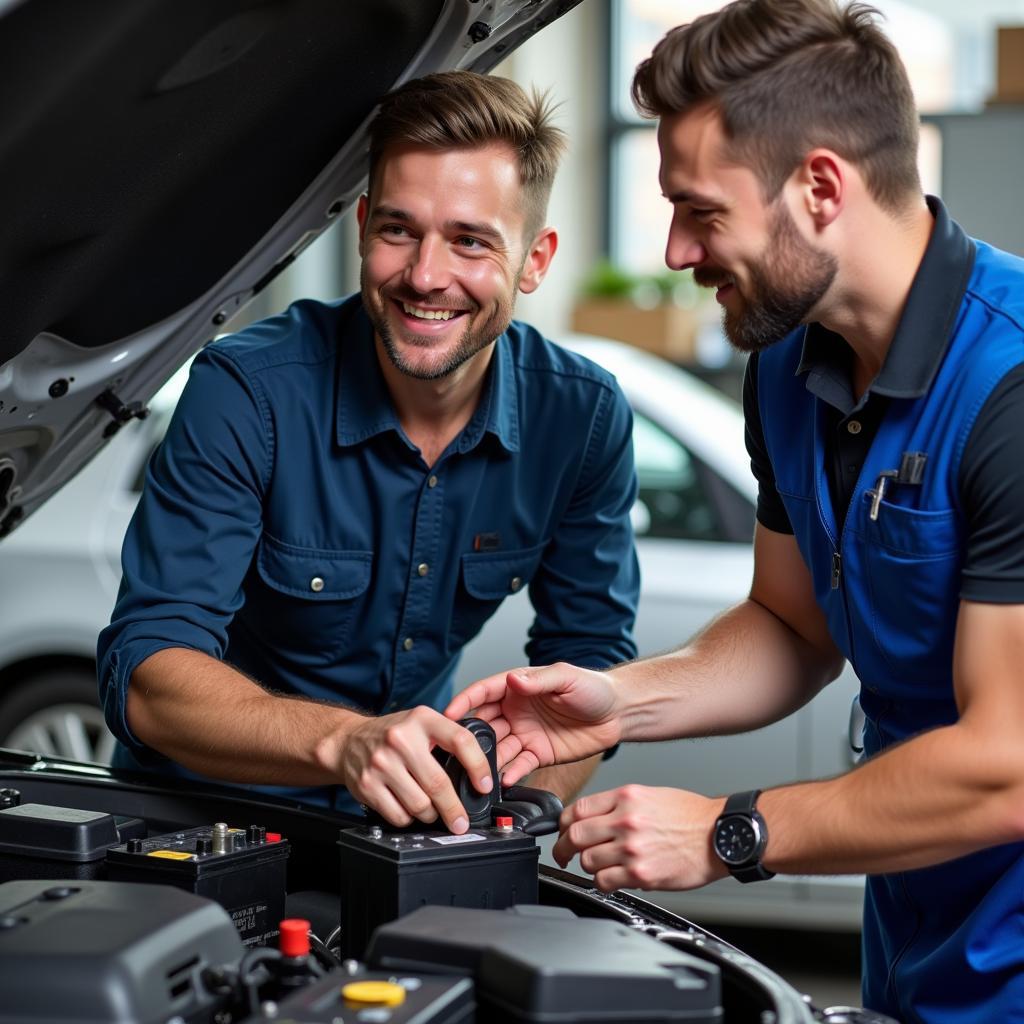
[(736, 840)]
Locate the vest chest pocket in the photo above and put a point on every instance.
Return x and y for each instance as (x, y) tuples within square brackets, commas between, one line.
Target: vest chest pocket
[(305, 599), (486, 580), (912, 563)]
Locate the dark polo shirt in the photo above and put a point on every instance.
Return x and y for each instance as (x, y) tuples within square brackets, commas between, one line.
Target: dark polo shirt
[(991, 484)]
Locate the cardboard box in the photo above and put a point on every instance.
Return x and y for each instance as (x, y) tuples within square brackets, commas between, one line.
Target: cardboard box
[(667, 330), (1009, 64)]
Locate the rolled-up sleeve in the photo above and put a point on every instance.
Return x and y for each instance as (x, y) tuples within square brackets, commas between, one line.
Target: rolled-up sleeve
[(192, 538), (586, 592)]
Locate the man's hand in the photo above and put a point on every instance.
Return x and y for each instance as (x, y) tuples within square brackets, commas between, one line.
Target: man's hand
[(639, 837), (543, 716), (387, 764)]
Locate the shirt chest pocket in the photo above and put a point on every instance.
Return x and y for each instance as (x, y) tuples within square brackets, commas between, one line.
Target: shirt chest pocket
[(485, 580), (305, 599), (912, 560)]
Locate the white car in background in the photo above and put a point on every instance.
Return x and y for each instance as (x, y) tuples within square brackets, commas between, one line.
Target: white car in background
[(693, 520)]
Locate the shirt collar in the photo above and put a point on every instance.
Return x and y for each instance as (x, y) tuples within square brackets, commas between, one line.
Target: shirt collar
[(925, 327), (364, 406)]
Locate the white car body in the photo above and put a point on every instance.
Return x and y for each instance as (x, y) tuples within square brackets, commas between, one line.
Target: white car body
[(66, 561)]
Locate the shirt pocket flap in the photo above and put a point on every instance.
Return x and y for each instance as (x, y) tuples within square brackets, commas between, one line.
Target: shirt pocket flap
[(313, 573), (490, 576)]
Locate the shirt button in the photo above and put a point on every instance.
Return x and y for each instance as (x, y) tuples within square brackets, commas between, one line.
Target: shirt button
[(407, 643), (853, 426), (423, 568), (431, 480), (515, 583), (316, 584)]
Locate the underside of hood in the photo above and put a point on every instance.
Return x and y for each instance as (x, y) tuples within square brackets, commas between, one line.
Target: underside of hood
[(160, 162)]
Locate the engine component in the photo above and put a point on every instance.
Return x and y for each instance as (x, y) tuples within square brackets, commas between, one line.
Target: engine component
[(243, 870), (43, 841), (367, 997), (387, 874), (110, 952), (544, 964)]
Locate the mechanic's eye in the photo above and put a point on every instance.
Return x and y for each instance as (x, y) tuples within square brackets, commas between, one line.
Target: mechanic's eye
[(469, 242)]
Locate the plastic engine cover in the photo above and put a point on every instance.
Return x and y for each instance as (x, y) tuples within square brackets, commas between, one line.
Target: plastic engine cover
[(108, 951), (546, 964)]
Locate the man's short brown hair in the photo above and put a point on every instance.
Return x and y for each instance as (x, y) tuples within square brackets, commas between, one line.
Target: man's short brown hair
[(789, 75), (465, 110)]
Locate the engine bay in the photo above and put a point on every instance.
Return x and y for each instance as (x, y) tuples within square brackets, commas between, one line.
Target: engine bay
[(126, 899)]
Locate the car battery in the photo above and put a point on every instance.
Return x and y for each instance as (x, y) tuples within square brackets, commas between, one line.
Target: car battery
[(44, 841), (241, 869), (386, 874), (374, 996)]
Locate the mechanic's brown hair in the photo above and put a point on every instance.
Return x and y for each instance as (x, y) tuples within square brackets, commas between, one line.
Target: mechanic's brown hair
[(463, 109), (789, 75)]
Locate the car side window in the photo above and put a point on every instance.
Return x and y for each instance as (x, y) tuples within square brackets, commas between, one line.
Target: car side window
[(680, 497)]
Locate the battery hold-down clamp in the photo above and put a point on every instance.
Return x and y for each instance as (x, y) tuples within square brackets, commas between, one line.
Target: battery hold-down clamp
[(535, 812)]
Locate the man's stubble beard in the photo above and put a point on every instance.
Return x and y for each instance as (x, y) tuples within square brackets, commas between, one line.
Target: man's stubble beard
[(469, 344), (788, 281)]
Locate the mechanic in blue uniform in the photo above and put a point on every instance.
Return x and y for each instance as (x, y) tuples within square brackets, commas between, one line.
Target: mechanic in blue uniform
[(884, 402), (349, 490)]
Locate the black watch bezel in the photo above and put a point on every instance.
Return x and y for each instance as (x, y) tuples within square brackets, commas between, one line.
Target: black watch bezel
[(741, 808)]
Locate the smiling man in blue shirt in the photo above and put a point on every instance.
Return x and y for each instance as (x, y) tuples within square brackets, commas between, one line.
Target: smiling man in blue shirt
[(349, 490)]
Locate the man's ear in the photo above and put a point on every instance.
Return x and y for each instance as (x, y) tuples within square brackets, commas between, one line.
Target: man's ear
[(538, 259), (362, 209), (822, 180)]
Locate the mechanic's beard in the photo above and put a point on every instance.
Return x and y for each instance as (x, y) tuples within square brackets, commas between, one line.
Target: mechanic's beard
[(787, 282), (472, 341)]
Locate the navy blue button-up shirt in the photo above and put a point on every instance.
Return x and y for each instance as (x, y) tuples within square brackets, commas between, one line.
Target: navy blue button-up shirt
[(289, 527)]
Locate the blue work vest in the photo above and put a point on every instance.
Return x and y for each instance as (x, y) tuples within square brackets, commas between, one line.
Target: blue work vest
[(946, 943)]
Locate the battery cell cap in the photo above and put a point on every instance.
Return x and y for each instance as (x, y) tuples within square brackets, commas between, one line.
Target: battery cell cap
[(504, 823), (294, 937), (273, 837), (373, 993)]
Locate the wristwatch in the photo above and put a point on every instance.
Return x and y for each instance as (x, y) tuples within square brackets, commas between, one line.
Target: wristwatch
[(740, 838)]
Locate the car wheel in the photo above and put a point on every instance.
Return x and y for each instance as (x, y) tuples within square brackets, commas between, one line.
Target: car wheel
[(56, 714)]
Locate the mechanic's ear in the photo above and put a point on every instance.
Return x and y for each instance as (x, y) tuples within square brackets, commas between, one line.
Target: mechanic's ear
[(538, 259), (361, 210)]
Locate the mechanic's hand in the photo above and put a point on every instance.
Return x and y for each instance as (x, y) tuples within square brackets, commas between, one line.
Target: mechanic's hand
[(639, 837), (387, 764), (543, 716)]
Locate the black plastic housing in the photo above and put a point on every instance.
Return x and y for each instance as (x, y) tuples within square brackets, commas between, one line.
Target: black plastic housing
[(545, 964), (109, 952), (47, 841), (387, 876)]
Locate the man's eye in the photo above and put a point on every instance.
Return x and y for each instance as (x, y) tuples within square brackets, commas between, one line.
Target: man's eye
[(393, 229), (469, 242), (700, 214)]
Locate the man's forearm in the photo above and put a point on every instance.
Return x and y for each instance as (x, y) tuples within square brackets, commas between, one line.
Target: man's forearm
[(215, 721), (941, 795), (744, 670)]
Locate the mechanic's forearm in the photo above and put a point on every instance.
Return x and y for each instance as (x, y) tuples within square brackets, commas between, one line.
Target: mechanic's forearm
[(564, 780), (940, 795), (744, 670), (213, 720)]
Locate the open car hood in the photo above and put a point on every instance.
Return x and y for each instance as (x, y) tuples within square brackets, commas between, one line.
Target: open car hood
[(160, 162)]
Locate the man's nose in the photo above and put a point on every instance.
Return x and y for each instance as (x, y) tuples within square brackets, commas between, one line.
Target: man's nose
[(429, 270), (683, 249)]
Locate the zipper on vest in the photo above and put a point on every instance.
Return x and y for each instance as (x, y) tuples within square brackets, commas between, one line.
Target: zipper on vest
[(837, 569)]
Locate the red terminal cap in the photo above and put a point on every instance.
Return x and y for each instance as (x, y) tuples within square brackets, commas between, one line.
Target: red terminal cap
[(503, 822), (273, 837), (294, 939)]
